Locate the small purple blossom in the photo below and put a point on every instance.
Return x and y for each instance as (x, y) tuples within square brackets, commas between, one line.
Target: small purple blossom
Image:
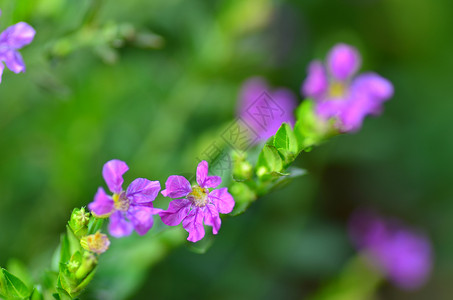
[(403, 255), (197, 204), (339, 95), (130, 209), (12, 39), (265, 110)]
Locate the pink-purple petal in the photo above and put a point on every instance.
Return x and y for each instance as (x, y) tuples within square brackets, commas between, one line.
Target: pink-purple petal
[(222, 200), (142, 190), (113, 172), (251, 90), (212, 218), (14, 61), (2, 67), (193, 224), (102, 205), (203, 179), (18, 35), (176, 187), (119, 226), (343, 61), (142, 217), (177, 210), (316, 83), (375, 85)]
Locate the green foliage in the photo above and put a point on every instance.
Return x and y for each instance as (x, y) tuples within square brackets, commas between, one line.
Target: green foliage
[(269, 162), (358, 281), (309, 129), (11, 287)]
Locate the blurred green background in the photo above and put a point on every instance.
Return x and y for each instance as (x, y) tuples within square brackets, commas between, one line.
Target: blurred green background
[(152, 83)]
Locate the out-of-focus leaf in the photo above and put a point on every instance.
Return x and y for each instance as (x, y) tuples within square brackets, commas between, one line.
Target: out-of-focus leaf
[(12, 287), (94, 225), (285, 139), (269, 161)]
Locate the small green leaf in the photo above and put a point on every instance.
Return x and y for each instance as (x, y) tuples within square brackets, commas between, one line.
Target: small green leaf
[(269, 161), (309, 130), (14, 287), (65, 249), (95, 225), (36, 294), (74, 242), (285, 139), (63, 295), (77, 290)]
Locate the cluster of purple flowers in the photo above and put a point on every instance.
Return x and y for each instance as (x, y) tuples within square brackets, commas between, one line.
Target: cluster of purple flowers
[(132, 209), (340, 96), (263, 109), (403, 255), (11, 40)]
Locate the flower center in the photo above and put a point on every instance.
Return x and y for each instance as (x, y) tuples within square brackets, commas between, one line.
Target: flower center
[(198, 196), (337, 89), (120, 201)]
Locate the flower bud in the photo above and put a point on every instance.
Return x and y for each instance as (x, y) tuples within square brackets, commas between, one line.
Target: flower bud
[(97, 243)]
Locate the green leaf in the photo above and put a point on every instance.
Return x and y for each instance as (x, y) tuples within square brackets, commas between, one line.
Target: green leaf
[(18, 268), (13, 286), (65, 249), (63, 295), (36, 294), (95, 225), (74, 242), (309, 130), (286, 139), (269, 161)]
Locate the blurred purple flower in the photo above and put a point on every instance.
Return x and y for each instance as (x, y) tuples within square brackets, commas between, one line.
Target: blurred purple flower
[(130, 209), (338, 95), (197, 203), (265, 110), (403, 255), (12, 39)]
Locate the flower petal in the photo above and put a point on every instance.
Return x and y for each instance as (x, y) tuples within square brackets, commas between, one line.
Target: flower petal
[(222, 200), (203, 179), (112, 172), (343, 61), (142, 217), (102, 205), (250, 92), (177, 210), (376, 86), (193, 224), (119, 226), (176, 187), (142, 190), (2, 67), (212, 218), (316, 83), (14, 61), (18, 35), (331, 108)]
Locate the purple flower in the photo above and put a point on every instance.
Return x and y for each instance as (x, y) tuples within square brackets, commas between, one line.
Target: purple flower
[(265, 110), (340, 96), (197, 203), (12, 39), (403, 255), (130, 209)]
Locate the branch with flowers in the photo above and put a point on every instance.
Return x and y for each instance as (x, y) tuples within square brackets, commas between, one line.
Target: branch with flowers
[(337, 103)]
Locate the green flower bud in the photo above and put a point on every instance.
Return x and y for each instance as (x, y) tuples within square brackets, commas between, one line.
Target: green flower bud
[(79, 221)]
